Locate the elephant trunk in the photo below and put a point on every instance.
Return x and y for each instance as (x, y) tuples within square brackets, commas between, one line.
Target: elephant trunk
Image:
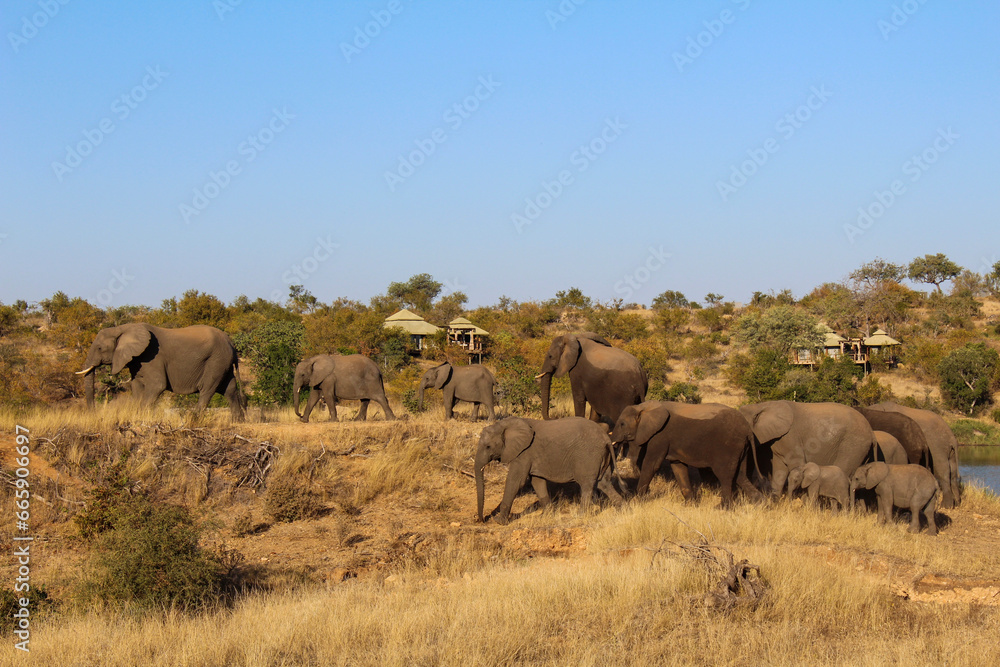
[(853, 488), (545, 386), (88, 387), (295, 395), (482, 458)]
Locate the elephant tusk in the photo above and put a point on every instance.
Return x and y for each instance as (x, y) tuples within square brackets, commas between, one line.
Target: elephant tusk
[(540, 376), (85, 371)]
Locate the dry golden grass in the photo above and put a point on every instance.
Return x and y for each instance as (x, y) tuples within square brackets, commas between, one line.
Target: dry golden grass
[(552, 587)]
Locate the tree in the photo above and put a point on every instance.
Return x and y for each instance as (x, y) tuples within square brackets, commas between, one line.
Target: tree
[(274, 349), (933, 270), (780, 328), (572, 297), (301, 300), (993, 280), (198, 308), (713, 299), (670, 299), (877, 271), (448, 307), (418, 292), (968, 376), (834, 304)]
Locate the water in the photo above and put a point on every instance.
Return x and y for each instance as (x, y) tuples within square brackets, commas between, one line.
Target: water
[(980, 464)]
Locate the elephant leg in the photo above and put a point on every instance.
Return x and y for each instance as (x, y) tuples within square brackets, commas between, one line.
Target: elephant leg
[(594, 415), (586, 492), (314, 396), (541, 487), (683, 480), (579, 400), (929, 514), (232, 396), (607, 487), (150, 388), (363, 411), (475, 411), (330, 396), (383, 403), (647, 468), (779, 474), (884, 505), (449, 404), (490, 409), (814, 494), (517, 475), (916, 507)]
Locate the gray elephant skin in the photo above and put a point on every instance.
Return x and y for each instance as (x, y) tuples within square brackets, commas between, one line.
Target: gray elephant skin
[(909, 486), (337, 377), (706, 435), (890, 450), (604, 376), (473, 384), (565, 450), (821, 481), (927, 440), (790, 434), (193, 360)]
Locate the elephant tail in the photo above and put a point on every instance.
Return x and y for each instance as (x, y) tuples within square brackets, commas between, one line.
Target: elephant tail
[(753, 448), (614, 465)]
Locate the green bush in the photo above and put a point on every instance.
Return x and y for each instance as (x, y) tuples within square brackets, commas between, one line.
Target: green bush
[(759, 373), (274, 348), (151, 558), (40, 604), (967, 377), (106, 502), (995, 415)]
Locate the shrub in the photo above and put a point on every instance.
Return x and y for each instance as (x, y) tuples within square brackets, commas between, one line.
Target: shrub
[(151, 558), (871, 391), (967, 377), (290, 500), (106, 502), (274, 349), (516, 383), (995, 415), (684, 392), (759, 373), (40, 603)]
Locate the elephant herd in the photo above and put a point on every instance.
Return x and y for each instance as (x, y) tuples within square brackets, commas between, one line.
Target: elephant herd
[(906, 455)]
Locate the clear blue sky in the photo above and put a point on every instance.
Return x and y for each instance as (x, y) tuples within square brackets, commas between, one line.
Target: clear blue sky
[(310, 114)]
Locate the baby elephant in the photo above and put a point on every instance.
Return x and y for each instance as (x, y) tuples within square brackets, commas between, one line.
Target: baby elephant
[(909, 486), (827, 481)]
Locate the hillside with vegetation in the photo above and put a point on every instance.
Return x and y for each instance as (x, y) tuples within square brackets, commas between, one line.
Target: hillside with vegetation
[(166, 537)]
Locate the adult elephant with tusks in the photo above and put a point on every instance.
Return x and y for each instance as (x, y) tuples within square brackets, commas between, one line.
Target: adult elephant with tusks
[(606, 377), (791, 434), (335, 377), (473, 384), (193, 360)]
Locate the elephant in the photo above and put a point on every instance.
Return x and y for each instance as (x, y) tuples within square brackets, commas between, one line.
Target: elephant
[(606, 377), (193, 360), (706, 435), (927, 440), (797, 433), (827, 481), (571, 449), (335, 377), (890, 450), (472, 383), (909, 486)]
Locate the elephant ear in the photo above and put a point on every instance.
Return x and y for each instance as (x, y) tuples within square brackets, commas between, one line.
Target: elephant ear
[(651, 422), (442, 374), (569, 356), (132, 342), (810, 474), (594, 337), (517, 437), (772, 422), (877, 472)]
